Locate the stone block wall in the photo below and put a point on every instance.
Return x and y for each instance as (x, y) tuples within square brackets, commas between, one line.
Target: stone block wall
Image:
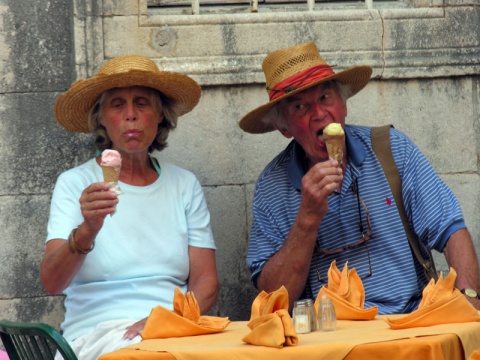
[(425, 56)]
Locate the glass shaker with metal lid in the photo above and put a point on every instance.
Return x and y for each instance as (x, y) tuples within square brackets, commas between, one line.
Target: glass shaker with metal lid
[(313, 315), (327, 318)]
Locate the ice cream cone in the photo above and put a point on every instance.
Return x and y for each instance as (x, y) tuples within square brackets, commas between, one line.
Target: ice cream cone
[(111, 163), (110, 174), (335, 148), (334, 137)]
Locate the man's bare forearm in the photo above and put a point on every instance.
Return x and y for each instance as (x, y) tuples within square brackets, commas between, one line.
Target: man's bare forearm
[(461, 256), (291, 264)]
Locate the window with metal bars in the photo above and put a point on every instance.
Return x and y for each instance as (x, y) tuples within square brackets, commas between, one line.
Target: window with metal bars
[(196, 7)]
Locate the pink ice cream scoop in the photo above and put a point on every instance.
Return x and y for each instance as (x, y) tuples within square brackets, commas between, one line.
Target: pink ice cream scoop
[(111, 158)]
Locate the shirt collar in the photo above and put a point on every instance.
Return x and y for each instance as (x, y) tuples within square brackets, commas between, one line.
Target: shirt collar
[(297, 164)]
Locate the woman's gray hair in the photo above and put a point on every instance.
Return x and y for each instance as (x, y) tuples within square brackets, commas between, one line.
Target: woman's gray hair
[(277, 118), (160, 103)]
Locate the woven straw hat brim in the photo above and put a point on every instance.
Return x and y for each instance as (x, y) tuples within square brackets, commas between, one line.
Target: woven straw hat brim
[(357, 77), (71, 107)]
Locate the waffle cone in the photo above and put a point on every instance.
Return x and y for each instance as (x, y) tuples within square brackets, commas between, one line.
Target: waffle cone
[(334, 146), (110, 174)]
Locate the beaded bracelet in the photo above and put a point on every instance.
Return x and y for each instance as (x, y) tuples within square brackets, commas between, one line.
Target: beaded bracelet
[(74, 246)]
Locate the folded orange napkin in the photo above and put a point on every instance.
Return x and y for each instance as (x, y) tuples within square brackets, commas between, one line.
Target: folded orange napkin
[(270, 321), (346, 291), (475, 355), (184, 320), (441, 304)]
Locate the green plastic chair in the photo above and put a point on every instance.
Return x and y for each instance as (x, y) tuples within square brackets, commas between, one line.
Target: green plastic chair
[(33, 341)]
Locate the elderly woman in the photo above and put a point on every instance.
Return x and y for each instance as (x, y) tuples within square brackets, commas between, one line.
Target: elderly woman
[(115, 257)]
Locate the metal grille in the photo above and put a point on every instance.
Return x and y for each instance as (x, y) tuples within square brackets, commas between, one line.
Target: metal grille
[(195, 7)]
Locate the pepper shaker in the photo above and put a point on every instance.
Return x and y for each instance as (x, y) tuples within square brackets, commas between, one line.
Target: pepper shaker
[(327, 319)]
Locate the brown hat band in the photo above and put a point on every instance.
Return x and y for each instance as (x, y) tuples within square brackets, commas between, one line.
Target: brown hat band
[(302, 78)]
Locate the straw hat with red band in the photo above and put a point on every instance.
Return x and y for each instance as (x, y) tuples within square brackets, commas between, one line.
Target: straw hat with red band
[(72, 106), (291, 70)]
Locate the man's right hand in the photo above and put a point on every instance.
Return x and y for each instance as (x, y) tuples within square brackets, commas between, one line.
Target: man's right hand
[(317, 184)]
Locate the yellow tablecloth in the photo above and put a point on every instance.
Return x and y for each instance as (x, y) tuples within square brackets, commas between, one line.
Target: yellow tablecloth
[(352, 340)]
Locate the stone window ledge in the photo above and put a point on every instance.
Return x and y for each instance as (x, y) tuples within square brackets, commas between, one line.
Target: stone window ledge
[(226, 49)]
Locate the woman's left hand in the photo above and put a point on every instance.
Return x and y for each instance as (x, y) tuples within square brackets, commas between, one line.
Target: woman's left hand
[(135, 329)]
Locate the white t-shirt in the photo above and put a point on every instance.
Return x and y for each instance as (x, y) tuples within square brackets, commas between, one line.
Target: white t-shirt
[(141, 252)]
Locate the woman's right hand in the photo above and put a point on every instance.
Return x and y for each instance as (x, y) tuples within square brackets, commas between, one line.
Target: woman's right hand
[(59, 264), (96, 202)]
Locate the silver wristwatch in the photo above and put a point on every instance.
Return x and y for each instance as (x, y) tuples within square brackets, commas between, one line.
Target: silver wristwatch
[(470, 293)]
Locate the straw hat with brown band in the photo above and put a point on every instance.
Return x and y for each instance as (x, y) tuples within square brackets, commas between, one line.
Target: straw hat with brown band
[(291, 70), (72, 106)]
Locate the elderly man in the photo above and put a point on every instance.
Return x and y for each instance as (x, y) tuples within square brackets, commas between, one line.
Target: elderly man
[(309, 210)]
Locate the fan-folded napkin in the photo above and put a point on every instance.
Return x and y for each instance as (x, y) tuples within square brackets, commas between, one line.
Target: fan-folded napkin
[(441, 304), (475, 355), (346, 291), (270, 322), (184, 320)]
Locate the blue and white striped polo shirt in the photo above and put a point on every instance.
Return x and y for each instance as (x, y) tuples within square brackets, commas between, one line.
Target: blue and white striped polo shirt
[(433, 212)]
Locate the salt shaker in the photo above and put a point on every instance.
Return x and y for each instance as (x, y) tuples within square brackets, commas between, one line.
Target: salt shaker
[(312, 314), (301, 317), (327, 319)]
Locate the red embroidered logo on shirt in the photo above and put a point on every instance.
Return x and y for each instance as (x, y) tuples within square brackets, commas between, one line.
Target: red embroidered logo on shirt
[(389, 202)]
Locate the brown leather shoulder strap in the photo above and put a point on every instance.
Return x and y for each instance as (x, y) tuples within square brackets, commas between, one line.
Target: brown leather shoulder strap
[(381, 146)]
